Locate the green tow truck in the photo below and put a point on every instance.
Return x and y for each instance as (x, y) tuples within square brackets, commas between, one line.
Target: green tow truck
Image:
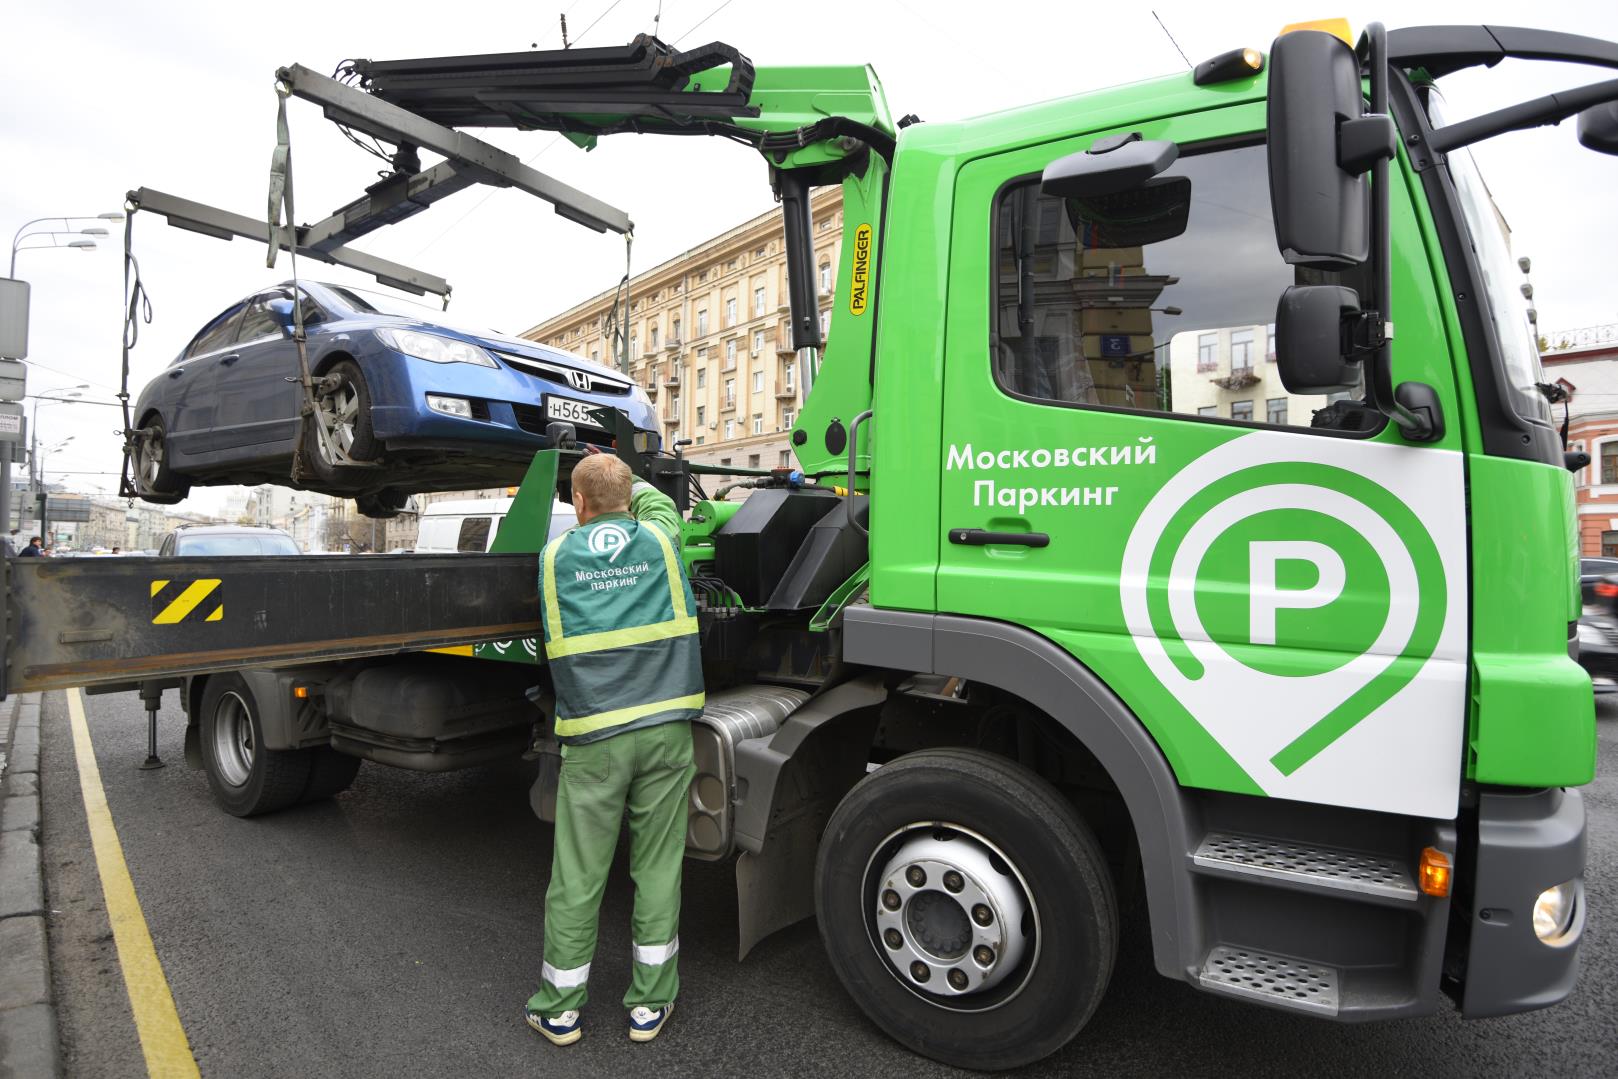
[(1132, 559)]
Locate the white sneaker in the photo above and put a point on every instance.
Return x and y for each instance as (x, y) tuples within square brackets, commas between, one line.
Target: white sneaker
[(560, 1030), (644, 1023)]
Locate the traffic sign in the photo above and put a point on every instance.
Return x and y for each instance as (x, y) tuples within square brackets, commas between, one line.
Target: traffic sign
[(13, 380), (13, 318), (11, 421)]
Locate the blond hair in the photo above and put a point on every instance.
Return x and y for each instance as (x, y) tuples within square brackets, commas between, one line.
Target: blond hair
[(604, 481)]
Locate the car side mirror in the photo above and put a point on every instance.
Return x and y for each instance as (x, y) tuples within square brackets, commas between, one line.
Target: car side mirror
[(1112, 164), (1321, 144), (281, 308), (1598, 128), (1312, 334)]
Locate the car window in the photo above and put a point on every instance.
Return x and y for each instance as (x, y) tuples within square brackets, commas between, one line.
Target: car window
[(220, 332), (167, 548), (259, 321), (474, 535), (1160, 299), (241, 544)]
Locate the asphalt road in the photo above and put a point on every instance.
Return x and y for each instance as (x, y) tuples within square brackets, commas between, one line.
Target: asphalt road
[(395, 931)]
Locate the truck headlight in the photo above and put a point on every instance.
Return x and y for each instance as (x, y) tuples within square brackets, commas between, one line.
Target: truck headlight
[(433, 348), (1553, 911)]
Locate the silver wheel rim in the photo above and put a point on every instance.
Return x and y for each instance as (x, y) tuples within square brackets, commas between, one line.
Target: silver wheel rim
[(339, 411), (233, 739), (151, 459), (951, 916)]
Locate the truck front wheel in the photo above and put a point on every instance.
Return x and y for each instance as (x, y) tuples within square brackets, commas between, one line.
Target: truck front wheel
[(967, 908), (246, 778)]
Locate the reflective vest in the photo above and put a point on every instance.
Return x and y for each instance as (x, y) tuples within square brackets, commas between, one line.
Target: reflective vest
[(620, 629)]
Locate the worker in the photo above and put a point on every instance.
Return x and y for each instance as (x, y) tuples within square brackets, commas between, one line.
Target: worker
[(621, 644), (33, 550)]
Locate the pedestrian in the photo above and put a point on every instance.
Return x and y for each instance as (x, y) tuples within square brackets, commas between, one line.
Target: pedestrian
[(8, 544), (33, 550), (622, 649)]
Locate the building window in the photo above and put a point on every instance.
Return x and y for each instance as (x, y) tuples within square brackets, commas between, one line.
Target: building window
[(652, 335), (786, 458), (730, 311), (702, 322), (674, 332), (758, 300), (752, 460), (595, 356), (1609, 461), (786, 377), (1275, 410), (758, 423), (825, 325), (702, 377), (1609, 545), (634, 344), (1207, 351), (787, 417), (730, 354), (730, 393), (1241, 350), (724, 461), (1269, 343), (825, 277), (758, 381), (730, 429), (1208, 410), (702, 414), (758, 341), (1241, 410)]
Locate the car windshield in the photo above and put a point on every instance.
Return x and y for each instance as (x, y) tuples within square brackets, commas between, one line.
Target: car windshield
[(238, 544), (380, 303), (1508, 307)]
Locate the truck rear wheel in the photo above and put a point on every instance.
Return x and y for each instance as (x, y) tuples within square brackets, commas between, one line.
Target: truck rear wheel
[(967, 908), (246, 778)]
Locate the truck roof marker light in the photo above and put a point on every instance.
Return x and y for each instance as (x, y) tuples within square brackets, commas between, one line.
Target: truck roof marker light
[(511, 492), (1337, 28), (1235, 64), (1435, 873)]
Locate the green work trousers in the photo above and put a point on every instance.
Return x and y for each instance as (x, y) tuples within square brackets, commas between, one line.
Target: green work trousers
[(646, 772)]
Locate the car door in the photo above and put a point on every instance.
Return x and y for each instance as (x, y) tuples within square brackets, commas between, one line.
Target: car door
[(257, 407), (1277, 593), (189, 405)]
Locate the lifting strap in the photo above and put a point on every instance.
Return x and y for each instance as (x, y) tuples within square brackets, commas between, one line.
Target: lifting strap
[(137, 309)]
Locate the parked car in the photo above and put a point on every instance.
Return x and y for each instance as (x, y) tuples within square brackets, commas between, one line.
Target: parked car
[(1591, 570), (241, 540), (470, 524), (412, 403)]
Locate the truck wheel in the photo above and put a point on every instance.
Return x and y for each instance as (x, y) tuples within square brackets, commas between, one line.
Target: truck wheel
[(330, 772), (246, 778), (967, 908)]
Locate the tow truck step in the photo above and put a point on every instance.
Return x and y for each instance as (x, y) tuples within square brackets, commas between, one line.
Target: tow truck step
[(1270, 979), (1306, 866)]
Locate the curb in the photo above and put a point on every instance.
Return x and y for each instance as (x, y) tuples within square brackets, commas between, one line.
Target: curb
[(27, 1015)]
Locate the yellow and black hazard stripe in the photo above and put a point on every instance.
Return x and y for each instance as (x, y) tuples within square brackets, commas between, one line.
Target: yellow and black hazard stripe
[(200, 599)]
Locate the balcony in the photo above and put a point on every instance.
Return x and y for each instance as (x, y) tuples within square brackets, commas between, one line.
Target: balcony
[(651, 390), (787, 393), (729, 405), (1240, 378), (672, 381), (672, 344)]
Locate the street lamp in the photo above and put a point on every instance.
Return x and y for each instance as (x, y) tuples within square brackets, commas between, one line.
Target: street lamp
[(67, 225)]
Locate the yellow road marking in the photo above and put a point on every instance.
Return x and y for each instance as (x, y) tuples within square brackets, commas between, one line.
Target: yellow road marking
[(162, 1038), (186, 601)]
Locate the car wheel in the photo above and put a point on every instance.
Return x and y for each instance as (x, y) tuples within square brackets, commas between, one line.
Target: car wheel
[(967, 908), (382, 504), (246, 778), (154, 479), (344, 412)]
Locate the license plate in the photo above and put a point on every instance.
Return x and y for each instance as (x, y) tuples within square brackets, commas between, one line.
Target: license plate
[(578, 413)]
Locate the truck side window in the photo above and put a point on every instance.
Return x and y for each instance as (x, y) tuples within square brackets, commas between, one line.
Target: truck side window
[(474, 535), (1160, 299)]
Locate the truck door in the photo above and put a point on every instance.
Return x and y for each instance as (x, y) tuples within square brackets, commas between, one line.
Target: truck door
[(1275, 584)]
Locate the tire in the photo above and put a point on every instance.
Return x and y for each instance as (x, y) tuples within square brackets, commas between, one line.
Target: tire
[(978, 818), (348, 411), (246, 778), (382, 504), (154, 479), (330, 772)]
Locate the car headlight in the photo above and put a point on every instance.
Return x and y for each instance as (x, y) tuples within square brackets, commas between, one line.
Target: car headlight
[(1553, 911), (433, 348), (1589, 634)]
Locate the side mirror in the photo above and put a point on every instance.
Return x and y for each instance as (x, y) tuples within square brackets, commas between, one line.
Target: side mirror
[(281, 308), (1112, 164), (1321, 144), (1598, 128), (1312, 339)]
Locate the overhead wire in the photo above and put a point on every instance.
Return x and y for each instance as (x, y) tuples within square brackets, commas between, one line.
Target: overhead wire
[(702, 20)]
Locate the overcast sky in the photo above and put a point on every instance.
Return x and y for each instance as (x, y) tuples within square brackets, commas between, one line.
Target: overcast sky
[(101, 98)]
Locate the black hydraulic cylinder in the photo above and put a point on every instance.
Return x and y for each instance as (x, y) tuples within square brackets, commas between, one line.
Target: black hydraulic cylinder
[(793, 188)]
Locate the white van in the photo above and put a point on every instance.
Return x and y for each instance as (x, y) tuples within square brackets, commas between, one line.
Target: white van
[(470, 524)]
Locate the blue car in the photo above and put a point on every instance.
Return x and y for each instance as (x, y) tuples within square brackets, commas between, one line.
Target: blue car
[(403, 402)]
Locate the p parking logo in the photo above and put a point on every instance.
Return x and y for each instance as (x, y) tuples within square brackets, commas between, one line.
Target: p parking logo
[(608, 539), (1282, 601)]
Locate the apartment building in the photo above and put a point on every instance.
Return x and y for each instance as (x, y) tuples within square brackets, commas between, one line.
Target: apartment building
[(1587, 369), (709, 340)]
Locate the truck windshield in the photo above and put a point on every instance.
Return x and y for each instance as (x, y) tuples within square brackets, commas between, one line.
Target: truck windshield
[(1508, 308)]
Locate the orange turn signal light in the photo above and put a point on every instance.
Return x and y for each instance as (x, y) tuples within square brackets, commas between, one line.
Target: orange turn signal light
[(1337, 28), (301, 692), (1435, 873)]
